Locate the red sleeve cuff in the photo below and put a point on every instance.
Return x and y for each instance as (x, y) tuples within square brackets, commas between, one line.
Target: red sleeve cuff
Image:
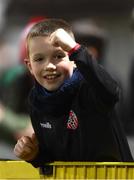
[(77, 46)]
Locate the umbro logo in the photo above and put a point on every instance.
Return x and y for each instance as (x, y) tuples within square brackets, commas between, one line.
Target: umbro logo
[(46, 125)]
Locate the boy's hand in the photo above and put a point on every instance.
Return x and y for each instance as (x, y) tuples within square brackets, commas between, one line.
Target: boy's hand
[(26, 148), (61, 38)]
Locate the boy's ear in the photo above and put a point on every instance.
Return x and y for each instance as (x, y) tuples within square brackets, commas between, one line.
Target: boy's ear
[(28, 64)]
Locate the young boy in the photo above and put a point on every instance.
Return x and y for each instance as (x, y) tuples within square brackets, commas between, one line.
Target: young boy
[(71, 104)]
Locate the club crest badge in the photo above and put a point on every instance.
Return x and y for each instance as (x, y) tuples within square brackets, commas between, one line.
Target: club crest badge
[(72, 121)]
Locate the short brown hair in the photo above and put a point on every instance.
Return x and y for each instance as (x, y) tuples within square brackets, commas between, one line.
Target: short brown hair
[(47, 27)]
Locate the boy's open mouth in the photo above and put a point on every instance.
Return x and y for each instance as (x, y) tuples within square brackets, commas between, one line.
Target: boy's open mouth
[(51, 76)]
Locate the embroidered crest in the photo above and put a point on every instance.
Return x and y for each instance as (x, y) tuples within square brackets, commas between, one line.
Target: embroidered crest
[(72, 121)]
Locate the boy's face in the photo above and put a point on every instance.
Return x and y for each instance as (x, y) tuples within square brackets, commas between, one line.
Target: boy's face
[(48, 64)]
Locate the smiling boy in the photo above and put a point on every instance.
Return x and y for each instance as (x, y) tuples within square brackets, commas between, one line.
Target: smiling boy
[(71, 104)]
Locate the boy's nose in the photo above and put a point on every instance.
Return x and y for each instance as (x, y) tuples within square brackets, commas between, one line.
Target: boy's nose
[(50, 66)]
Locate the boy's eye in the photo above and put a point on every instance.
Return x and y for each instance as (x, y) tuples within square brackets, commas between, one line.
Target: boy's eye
[(59, 56), (38, 59)]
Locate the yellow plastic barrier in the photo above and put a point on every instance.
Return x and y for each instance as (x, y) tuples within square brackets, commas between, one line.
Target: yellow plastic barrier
[(67, 170)]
